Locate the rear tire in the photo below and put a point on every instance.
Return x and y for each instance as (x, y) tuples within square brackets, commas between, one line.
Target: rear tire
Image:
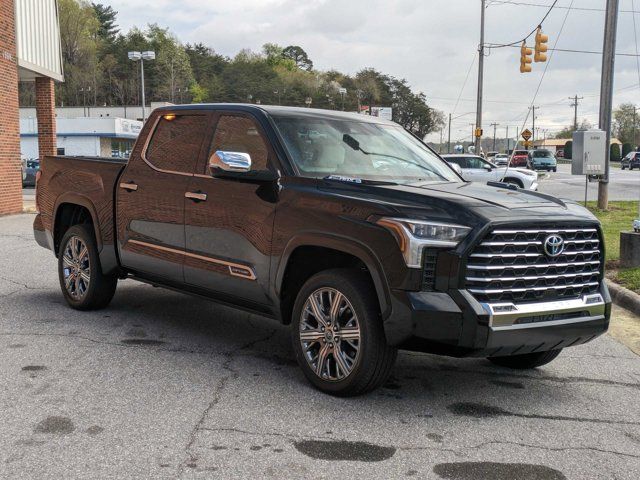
[(332, 363), (81, 279), (555, 170), (526, 361)]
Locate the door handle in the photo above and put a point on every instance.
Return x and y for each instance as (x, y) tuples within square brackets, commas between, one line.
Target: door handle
[(196, 196), (132, 187)]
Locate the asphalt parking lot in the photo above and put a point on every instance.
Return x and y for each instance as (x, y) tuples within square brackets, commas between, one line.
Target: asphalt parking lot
[(162, 385), (624, 184)]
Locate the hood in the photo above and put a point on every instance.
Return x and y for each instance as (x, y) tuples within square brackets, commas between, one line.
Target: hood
[(456, 200), (478, 194)]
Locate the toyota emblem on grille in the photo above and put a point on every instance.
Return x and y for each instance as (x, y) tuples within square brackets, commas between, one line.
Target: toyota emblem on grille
[(553, 245)]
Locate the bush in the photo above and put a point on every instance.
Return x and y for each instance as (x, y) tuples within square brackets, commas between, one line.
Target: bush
[(614, 154), (568, 149), (626, 148)]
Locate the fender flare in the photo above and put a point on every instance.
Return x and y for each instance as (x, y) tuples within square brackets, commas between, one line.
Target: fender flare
[(345, 245), (80, 200)]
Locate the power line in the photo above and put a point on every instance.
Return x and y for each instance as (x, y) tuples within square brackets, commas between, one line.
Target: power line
[(571, 50), (531, 33), (559, 7)]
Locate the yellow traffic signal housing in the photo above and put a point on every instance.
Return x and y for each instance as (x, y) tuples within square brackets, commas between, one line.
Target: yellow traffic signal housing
[(541, 46), (525, 58)]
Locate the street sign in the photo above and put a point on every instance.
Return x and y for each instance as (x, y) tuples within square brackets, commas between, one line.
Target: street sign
[(526, 134), (527, 144)]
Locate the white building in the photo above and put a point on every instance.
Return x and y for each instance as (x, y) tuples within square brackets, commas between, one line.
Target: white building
[(131, 112), (103, 137)]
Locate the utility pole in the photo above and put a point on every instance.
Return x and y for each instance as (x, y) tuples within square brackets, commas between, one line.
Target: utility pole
[(440, 145), (508, 140), (494, 125), (575, 112), (606, 93), (635, 126), (480, 76), (533, 128), (449, 139)]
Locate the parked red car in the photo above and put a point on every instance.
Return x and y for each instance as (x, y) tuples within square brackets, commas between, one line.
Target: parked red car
[(520, 158)]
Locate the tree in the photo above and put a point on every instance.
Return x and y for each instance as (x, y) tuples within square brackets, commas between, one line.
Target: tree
[(567, 132), (626, 123), (172, 64), (106, 16), (78, 34), (299, 56), (626, 148), (615, 152), (568, 150)]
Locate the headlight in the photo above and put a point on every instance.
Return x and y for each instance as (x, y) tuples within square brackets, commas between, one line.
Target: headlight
[(413, 235)]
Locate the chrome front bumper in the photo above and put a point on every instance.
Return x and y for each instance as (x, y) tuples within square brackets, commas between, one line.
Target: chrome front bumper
[(531, 315)]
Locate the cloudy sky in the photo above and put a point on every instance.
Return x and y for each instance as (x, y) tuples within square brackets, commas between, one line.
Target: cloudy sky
[(431, 43)]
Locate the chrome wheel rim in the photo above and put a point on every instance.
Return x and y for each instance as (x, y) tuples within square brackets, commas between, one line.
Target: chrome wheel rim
[(76, 268), (330, 334)]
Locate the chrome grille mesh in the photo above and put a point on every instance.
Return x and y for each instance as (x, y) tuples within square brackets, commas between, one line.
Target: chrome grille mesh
[(510, 265)]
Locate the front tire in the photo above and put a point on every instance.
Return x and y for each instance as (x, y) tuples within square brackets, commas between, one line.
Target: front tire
[(527, 360), (337, 334), (81, 279), (514, 181)]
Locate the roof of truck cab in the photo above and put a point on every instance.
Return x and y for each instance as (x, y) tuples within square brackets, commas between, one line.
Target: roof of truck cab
[(281, 111)]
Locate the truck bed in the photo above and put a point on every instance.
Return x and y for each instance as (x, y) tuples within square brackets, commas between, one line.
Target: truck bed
[(86, 181)]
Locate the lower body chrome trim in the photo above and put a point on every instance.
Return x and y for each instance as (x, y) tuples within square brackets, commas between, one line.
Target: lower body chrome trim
[(235, 269), (507, 315)]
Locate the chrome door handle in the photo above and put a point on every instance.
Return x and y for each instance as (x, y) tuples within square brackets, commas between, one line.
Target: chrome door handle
[(129, 186), (196, 196)]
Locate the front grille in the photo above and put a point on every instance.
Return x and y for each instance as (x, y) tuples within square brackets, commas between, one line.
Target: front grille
[(510, 265)]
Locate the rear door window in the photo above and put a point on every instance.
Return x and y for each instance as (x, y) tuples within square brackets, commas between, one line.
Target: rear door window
[(176, 142)]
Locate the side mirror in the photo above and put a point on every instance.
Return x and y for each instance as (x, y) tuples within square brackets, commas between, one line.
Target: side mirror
[(487, 167), (237, 162), (237, 166)]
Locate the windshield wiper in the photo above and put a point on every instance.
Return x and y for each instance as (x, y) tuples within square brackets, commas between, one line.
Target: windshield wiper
[(355, 144)]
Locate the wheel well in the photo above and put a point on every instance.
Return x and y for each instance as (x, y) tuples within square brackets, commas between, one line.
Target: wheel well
[(306, 261), (68, 215), (517, 181)]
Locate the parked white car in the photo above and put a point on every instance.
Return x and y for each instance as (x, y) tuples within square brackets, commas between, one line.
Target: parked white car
[(476, 169)]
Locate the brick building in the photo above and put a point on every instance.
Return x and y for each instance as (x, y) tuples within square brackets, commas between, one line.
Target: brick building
[(29, 52)]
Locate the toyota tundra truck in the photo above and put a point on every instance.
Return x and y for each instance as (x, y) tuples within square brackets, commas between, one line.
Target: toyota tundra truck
[(345, 226)]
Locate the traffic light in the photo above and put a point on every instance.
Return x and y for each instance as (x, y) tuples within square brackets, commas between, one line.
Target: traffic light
[(525, 58), (541, 46)]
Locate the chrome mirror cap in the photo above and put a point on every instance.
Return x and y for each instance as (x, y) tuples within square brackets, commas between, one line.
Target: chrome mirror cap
[(230, 161)]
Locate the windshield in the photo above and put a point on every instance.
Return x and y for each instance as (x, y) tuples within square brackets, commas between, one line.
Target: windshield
[(323, 147), (542, 154)]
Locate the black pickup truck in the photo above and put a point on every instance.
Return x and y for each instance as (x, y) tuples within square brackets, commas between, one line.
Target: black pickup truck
[(345, 226)]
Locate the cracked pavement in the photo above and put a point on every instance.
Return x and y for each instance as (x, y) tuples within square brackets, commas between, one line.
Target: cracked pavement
[(163, 385)]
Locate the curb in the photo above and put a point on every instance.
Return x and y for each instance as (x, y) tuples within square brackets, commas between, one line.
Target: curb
[(624, 297)]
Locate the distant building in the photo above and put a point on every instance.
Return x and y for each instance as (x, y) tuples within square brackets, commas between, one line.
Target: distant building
[(555, 144), (93, 137), (131, 112), (29, 52)]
